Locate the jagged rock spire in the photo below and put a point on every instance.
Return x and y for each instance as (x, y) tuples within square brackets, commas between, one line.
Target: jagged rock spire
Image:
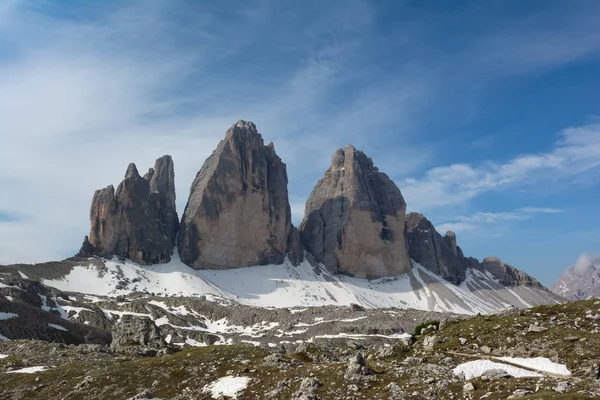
[(354, 219), (138, 220), (238, 212)]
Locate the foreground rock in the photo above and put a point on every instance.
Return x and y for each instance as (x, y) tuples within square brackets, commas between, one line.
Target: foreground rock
[(238, 212), (354, 219), (138, 221)]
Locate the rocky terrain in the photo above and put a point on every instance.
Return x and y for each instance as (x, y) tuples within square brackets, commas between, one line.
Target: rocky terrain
[(580, 281), (150, 347)]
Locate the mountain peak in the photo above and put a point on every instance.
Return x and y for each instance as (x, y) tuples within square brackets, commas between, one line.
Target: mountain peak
[(238, 212), (354, 219)]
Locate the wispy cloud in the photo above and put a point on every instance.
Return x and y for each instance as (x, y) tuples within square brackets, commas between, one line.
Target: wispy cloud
[(82, 97), (89, 87), (480, 219), (576, 152)]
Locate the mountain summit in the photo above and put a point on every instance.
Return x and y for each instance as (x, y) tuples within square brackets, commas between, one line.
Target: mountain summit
[(238, 212), (138, 221), (581, 281), (354, 219)]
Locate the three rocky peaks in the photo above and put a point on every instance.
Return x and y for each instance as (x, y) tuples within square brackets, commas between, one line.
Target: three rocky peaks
[(238, 215)]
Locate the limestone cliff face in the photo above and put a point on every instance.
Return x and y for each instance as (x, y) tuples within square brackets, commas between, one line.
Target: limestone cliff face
[(508, 275), (138, 221), (441, 255), (238, 212), (438, 254), (354, 219)]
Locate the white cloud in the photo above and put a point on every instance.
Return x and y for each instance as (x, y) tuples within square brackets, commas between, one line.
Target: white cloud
[(486, 219), (583, 262), (575, 153), (82, 97)]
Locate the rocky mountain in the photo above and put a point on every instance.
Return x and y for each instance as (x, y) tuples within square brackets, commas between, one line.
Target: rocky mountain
[(238, 212), (440, 255), (354, 219), (360, 246), (443, 257), (580, 281), (138, 221)]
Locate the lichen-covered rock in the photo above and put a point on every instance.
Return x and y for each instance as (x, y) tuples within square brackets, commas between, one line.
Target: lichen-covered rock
[(238, 212), (438, 254), (138, 221), (354, 219)]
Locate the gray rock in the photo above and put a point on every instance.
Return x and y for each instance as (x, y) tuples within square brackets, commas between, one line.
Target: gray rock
[(429, 342), (145, 394), (238, 212), (136, 331), (507, 275), (468, 387), (357, 368), (308, 390), (138, 221), (536, 328), (354, 219), (519, 393), (438, 254), (495, 374)]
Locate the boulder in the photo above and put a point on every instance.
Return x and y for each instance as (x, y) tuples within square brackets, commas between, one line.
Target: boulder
[(132, 330), (238, 212), (354, 219), (138, 221)]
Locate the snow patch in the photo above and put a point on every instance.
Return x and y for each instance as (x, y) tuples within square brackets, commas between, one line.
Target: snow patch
[(28, 370), (3, 356), (60, 328), (23, 276), (7, 315), (542, 364), (228, 386), (474, 369), (360, 336), (292, 287)]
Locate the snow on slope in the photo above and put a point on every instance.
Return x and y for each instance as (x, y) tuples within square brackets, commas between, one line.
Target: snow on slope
[(284, 286)]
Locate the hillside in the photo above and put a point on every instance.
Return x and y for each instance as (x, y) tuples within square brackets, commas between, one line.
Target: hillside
[(564, 335)]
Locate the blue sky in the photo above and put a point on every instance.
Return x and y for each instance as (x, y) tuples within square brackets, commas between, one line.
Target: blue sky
[(486, 114)]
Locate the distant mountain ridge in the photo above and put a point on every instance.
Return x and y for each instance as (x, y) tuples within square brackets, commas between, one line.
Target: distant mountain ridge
[(238, 216), (581, 281)]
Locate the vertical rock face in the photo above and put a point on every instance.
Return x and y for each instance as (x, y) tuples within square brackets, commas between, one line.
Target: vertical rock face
[(508, 275), (438, 254), (238, 212), (138, 221), (354, 219)]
